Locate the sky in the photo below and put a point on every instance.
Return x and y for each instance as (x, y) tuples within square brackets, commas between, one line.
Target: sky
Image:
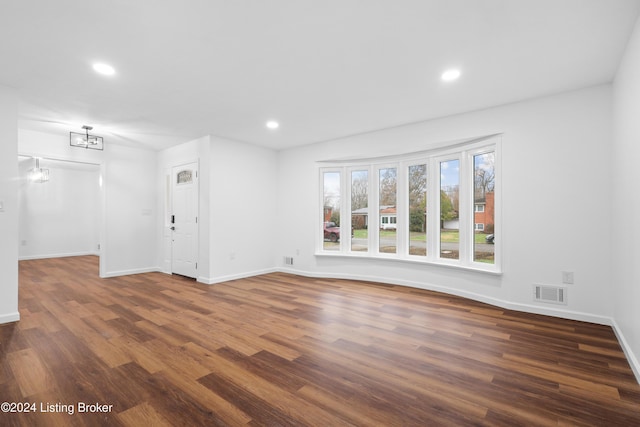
[(449, 173)]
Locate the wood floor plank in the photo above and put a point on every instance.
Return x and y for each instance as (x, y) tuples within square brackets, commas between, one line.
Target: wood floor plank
[(279, 349), (30, 373), (143, 414)]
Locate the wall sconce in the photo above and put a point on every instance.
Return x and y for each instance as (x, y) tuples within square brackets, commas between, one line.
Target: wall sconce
[(84, 140), (38, 174)]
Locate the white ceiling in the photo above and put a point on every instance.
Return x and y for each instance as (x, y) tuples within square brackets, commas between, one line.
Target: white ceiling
[(324, 69)]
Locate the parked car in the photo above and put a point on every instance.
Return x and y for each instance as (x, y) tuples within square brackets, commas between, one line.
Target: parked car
[(489, 238), (331, 231)]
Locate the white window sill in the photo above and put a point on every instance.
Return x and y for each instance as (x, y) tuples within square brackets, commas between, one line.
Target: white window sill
[(492, 270)]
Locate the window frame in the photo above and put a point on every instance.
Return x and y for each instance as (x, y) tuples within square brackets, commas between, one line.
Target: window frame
[(477, 151), (406, 231), (463, 152), (349, 246), (320, 246), (438, 161), (376, 208)]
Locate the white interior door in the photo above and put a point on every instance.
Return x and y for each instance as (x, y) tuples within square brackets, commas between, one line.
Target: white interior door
[(184, 220)]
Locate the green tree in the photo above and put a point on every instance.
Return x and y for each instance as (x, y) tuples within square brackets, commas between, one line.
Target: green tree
[(446, 207), (335, 217), (417, 197), (417, 220)]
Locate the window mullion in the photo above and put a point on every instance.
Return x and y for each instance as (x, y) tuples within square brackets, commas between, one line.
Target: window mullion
[(345, 209), (466, 215), (374, 211), (402, 207), (433, 209)]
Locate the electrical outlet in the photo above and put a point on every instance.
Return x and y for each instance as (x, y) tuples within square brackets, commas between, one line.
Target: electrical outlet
[(567, 277)]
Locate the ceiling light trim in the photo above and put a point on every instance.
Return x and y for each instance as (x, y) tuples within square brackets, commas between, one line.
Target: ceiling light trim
[(451, 75), (104, 69)]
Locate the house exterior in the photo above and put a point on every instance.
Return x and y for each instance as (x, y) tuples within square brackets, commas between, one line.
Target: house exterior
[(328, 212), (484, 214), (360, 219), (388, 218)]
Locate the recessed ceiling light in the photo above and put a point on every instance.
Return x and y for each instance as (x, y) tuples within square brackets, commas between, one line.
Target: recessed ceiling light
[(273, 124), (450, 75), (104, 69)]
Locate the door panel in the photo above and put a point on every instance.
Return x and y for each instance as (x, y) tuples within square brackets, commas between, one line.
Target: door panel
[(184, 220)]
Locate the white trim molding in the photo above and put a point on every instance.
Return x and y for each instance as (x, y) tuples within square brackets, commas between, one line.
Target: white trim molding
[(110, 274), (66, 255), (227, 278), (10, 318), (631, 357), (508, 305)]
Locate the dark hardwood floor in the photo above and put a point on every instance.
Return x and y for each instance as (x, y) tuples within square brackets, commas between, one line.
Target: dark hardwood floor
[(280, 350)]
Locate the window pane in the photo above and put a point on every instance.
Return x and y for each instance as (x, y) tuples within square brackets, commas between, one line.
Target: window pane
[(418, 210), (331, 214), (449, 206), (388, 191), (360, 210), (484, 199)]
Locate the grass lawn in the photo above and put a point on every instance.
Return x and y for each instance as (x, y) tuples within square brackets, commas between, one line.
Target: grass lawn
[(360, 234), (363, 234), (450, 236), (453, 236)]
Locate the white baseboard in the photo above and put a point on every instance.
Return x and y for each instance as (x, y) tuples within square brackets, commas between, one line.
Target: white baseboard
[(631, 358), (109, 274), (9, 317), (214, 280), (64, 255), (528, 308)]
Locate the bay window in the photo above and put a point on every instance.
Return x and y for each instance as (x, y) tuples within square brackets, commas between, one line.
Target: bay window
[(435, 207)]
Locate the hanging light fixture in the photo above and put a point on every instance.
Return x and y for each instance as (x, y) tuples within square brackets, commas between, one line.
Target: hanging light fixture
[(84, 140), (38, 174)]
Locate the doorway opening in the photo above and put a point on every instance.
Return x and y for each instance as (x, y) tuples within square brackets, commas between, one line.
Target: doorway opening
[(62, 215)]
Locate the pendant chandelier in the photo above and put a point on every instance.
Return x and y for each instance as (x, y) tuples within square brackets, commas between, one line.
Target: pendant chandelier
[(38, 174), (84, 140)]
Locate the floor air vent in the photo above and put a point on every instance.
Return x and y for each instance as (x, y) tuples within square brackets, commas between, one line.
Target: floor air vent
[(550, 294)]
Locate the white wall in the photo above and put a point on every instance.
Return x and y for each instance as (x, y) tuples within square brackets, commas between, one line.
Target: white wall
[(130, 239), (59, 217), (9, 212), (556, 212), (128, 234), (625, 201), (237, 207), (244, 228)]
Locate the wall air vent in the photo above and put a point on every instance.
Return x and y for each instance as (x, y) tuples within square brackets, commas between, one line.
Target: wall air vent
[(288, 260), (550, 294)]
